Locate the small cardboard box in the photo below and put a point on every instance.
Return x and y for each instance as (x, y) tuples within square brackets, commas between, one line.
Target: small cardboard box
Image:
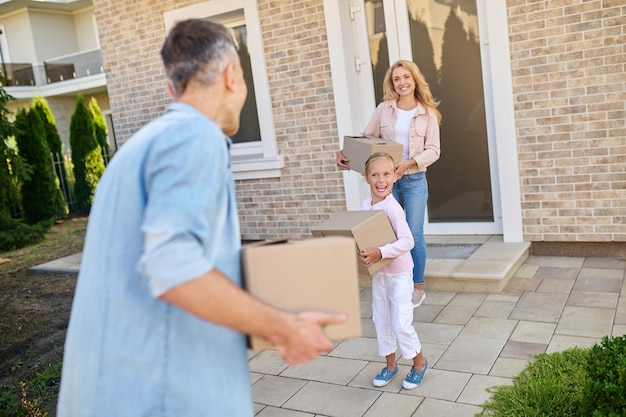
[(306, 275), (358, 148), (368, 228)]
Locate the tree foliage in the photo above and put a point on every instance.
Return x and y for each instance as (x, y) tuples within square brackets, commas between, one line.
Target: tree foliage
[(86, 155), (41, 196), (100, 128)]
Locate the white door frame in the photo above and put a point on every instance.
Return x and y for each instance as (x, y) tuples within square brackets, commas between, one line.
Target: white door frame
[(344, 52)]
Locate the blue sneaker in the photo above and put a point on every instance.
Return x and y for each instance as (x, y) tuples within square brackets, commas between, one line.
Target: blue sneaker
[(384, 377), (415, 378)]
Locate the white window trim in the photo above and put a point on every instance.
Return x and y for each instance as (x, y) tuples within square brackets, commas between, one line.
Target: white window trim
[(250, 160)]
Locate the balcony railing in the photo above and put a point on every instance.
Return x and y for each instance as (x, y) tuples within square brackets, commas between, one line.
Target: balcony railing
[(54, 70)]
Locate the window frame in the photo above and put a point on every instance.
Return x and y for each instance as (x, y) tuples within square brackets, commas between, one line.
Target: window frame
[(259, 159)]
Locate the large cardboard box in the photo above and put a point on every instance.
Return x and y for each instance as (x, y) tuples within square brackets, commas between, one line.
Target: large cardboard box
[(368, 228), (358, 148), (304, 275)]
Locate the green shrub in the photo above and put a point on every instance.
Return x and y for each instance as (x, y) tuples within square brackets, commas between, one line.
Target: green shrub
[(100, 128), (604, 393), (86, 155), (551, 386), (41, 196), (9, 161), (40, 105), (15, 234)]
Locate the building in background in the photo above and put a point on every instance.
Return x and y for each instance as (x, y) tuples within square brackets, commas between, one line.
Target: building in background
[(52, 49)]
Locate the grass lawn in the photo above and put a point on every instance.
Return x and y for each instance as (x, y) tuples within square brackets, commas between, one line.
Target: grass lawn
[(35, 311)]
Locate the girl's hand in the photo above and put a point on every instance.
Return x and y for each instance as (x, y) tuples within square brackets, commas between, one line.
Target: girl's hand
[(370, 256)]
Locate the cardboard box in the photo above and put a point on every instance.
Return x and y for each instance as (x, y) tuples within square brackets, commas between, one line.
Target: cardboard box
[(358, 148), (368, 228), (306, 275)]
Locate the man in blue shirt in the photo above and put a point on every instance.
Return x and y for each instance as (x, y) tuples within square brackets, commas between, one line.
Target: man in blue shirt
[(158, 321)]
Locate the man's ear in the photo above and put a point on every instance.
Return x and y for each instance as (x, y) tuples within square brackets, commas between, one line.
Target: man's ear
[(170, 90), (230, 79)]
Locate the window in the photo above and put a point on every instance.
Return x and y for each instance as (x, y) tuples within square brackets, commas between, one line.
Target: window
[(254, 151)]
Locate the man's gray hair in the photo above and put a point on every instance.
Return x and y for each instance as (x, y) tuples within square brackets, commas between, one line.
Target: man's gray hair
[(199, 50)]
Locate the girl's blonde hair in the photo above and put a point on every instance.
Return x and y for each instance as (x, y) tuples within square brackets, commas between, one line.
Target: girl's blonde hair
[(376, 156), (422, 90)]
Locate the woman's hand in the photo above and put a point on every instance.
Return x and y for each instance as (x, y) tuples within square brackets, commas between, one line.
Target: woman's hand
[(403, 167), (342, 161)]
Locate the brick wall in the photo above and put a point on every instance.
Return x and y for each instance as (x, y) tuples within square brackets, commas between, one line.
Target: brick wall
[(569, 81), (296, 51)]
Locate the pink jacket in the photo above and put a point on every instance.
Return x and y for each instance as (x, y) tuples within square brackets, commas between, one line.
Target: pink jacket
[(424, 137)]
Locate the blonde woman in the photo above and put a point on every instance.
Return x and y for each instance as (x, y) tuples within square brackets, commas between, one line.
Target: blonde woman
[(409, 116)]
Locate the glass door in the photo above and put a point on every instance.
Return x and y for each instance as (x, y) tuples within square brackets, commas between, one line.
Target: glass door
[(443, 38)]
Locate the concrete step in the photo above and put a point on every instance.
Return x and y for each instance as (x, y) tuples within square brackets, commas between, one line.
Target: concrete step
[(476, 263)]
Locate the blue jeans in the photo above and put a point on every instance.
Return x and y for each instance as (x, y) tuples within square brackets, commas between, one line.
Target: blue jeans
[(411, 191)]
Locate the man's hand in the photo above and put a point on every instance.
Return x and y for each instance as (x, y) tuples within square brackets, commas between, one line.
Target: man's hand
[(305, 340)]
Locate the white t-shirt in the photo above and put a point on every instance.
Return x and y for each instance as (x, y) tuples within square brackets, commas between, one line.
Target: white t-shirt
[(403, 130)]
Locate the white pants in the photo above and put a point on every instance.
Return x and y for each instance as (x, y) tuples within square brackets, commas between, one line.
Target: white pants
[(393, 314)]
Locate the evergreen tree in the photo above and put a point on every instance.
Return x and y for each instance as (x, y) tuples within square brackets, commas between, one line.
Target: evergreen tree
[(9, 193), (41, 198), (100, 129), (40, 105), (86, 155)]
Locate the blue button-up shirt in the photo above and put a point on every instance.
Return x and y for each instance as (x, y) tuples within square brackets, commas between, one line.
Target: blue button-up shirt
[(164, 213)]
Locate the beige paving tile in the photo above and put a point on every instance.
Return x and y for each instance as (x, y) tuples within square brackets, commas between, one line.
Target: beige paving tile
[(476, 391), (508, 367), (585, 322), (533, 332), (361, 348), (535, 314), (471, 299), (281, 412), (427, 312), (332, 400), (440, 384), (258, 408), (560, 343), (471, 354), (327, 369), (495, 309), (618, 330), (437, 333), (498, 251), (396, 405), (556, 261), (431, 407), (620, 314), (366, 309), (452, 314), (440, 298), (526, 271), (267, 362), (599, 280), (367, 328), (489, 328), (275, 390), (592, 299), (505, 296), (556, 272), (254, 376), (542, 300), (559, 286), (604, 263), (522, 284), (522, 350)]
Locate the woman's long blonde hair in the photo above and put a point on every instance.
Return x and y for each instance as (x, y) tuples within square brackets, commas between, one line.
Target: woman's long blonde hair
[(422, 90)]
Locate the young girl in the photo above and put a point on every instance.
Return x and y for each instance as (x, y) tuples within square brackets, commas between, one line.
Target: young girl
[(392, 285)]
